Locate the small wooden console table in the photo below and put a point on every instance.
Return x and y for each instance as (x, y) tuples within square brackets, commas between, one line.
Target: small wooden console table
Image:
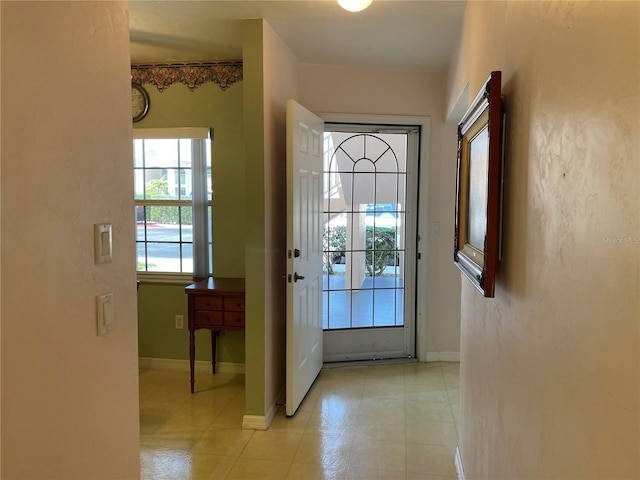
[(216, 304)]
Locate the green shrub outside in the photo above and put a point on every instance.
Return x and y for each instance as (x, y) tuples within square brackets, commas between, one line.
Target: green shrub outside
[(380, 249), (158, 189)]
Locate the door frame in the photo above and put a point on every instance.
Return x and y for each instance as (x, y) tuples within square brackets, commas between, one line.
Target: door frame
[(422, 229)]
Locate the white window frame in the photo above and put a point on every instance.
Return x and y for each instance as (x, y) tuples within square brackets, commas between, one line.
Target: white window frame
[(200, 202)]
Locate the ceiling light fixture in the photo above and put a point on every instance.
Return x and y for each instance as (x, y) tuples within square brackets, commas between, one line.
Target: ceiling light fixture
[(354, 5)]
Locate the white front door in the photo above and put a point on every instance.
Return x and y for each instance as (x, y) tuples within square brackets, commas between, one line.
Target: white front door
[(304, 252)]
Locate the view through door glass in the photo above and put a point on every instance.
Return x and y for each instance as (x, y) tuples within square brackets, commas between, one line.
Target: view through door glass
[(365, 248)]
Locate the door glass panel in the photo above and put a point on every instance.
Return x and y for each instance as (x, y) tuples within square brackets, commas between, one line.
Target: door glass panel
[(364, 230)]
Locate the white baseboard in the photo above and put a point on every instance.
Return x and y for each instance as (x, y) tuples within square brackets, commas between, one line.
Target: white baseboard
[(255, 422), (260, 422), (183, 365), (450, 357), (458, 461), (442, 356)]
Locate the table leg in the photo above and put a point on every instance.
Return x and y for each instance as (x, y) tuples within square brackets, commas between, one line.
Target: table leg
[(192, 355), (214, 341)]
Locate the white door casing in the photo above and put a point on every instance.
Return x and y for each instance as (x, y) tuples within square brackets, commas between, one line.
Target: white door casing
[(425, 223), (304, 252)]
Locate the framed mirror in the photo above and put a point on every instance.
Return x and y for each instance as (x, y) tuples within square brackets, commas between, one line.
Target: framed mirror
[(479, 187)]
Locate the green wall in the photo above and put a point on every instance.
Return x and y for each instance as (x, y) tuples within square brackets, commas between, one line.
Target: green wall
[(158, 304), (255, 244), (207, 106)]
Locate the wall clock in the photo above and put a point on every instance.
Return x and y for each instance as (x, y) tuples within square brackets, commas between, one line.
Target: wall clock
[(139, 102)]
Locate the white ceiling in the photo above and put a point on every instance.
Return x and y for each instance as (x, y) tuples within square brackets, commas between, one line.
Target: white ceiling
[(395, 34)]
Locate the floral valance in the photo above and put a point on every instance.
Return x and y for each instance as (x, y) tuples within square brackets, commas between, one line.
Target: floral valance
[(162, 76)]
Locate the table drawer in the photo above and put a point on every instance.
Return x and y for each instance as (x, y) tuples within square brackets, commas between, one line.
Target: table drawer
[(234, 319), (234, 304), (208, 318), (207, 303)]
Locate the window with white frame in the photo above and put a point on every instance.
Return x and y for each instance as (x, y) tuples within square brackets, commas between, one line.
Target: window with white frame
[(172, 190)]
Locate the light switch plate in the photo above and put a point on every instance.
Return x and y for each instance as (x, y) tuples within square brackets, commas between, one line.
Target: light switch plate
[(104, 313), (102, 242)]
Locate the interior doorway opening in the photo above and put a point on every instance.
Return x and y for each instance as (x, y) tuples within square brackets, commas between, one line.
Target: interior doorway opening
[(369, 241)]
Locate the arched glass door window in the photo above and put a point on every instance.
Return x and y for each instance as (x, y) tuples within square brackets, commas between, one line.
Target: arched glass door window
[(364, 237)]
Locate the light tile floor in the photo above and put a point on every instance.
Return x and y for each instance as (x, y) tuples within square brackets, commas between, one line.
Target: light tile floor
[(392, 422)]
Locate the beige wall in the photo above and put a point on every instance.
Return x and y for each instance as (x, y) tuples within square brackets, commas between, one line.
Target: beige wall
[(549, 368), (69, 397), (337, 89)]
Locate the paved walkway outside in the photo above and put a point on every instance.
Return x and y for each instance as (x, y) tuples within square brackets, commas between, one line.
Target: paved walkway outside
[(378, 302)]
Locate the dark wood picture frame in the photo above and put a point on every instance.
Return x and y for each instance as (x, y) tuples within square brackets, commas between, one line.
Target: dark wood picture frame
[(479, 187)]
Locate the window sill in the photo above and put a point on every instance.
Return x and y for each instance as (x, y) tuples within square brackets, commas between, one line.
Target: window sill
[(166, 278)]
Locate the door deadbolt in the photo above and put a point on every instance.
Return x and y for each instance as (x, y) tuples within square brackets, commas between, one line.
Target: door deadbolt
[(296, 252)]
